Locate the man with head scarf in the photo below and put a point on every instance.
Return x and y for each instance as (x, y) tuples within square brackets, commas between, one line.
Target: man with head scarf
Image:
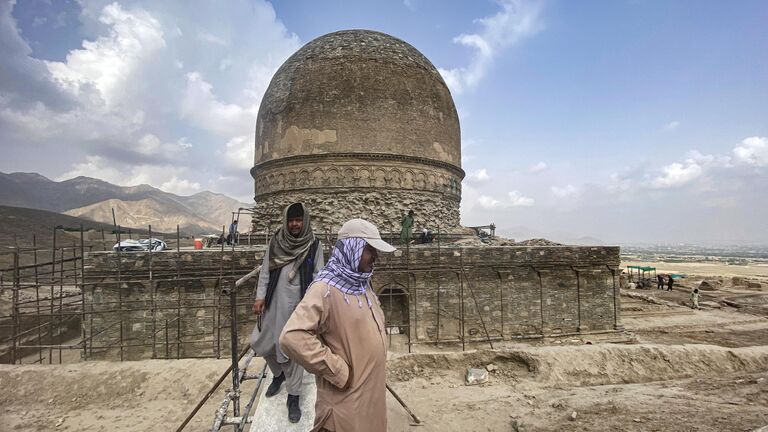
[(290, 264), (337, 333), (406, 228)]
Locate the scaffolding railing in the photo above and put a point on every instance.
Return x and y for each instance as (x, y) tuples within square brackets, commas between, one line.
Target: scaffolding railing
[(52, 309)]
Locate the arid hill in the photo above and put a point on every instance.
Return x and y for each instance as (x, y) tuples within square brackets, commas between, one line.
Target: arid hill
[(136, 206)]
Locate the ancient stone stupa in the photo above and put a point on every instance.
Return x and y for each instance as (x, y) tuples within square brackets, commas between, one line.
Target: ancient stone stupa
[(358, 123)]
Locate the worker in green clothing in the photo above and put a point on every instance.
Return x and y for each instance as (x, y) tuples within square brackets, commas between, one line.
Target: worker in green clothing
[(407, 227)]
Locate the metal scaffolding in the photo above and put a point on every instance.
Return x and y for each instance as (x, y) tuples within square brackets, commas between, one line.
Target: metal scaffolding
[(52, 309)]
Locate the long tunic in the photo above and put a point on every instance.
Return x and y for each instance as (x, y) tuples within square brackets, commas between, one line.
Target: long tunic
[(407, 229), (287, 295), (343, 345)]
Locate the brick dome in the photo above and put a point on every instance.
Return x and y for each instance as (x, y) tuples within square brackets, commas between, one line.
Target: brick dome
[(357, 112)]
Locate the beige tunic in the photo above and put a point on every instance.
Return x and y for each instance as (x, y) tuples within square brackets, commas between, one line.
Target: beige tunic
[(343, 345)]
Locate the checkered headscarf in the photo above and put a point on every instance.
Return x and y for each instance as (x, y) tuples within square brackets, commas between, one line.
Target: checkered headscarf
[(341, 271)]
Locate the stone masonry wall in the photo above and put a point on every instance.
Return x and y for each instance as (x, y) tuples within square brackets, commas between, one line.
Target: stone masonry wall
[(331, 209), (184, 291), (517, 291)]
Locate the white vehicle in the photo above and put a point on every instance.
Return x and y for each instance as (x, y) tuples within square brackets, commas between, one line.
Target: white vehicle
[(142, 245)]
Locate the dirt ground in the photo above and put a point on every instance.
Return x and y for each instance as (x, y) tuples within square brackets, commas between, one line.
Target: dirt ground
[(671, 369)]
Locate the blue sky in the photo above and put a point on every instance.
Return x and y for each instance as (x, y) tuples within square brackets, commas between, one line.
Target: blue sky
[(626, 121)]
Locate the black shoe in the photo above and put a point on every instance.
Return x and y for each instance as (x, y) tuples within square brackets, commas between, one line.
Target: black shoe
[(294, 412), (274, 386)]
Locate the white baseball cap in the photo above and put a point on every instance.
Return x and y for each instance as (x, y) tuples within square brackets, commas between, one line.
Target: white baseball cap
[(367, 231)]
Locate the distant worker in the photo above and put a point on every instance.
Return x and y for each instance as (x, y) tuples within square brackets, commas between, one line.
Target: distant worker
[(290, 264), (337, 333), (407, 228), (232, 238), (695, 298), (660, 282), (426, 236), (670, 282)]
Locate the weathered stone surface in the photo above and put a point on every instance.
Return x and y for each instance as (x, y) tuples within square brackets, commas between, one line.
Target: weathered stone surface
[(476, 376), (709, 285), (510, 291), (432, 209), (362, 119), (271, 414)]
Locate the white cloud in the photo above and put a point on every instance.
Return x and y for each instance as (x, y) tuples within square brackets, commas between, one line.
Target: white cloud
[(94, 166), (518, 200), (107, 63), (184, 143), (516, 20), (672, 125), (479, 176), (148, 81), (239, 152), (180, 186), (539, 167), (752, 151), (211, 38), (169, 178), (202, 107), (677, 174), (488, 202), (565, 191)]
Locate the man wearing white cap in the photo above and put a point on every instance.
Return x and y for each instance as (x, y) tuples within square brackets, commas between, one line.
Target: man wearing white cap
[(337, 334)]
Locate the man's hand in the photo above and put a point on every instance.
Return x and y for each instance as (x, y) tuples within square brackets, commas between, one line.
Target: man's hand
[(258, 306)]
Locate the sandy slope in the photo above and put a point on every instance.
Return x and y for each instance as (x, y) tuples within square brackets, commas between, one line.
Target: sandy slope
[(661, 385)]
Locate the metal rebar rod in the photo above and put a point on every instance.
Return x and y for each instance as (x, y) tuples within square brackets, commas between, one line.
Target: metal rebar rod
[(233, 329), (402, 403), (119, 278), (92, 336), (82, 291), (31, 266), (15, 335), (461, 308), (501, 302), (208, 394), (178, 293), (477, 307), (14, 307), (251, 400), (217, 299), (37, 296), (53, 271), (152, 297), (90, 318), (221, 412)]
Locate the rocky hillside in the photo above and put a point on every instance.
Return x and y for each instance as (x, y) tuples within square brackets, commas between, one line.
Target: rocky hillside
[(136, 206), (163, 216)]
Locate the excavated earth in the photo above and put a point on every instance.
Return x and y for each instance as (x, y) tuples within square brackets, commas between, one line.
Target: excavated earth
[(672, 369)]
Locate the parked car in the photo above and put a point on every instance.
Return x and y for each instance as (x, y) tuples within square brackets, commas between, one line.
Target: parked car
[(142, 245)]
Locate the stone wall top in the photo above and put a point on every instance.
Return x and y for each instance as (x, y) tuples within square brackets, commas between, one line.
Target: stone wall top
[(241, 261)]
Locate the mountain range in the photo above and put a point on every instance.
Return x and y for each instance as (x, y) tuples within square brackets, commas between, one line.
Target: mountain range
[(135, 206)]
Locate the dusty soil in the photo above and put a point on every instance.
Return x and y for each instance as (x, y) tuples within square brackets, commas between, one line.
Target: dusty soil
[(671, 369)]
